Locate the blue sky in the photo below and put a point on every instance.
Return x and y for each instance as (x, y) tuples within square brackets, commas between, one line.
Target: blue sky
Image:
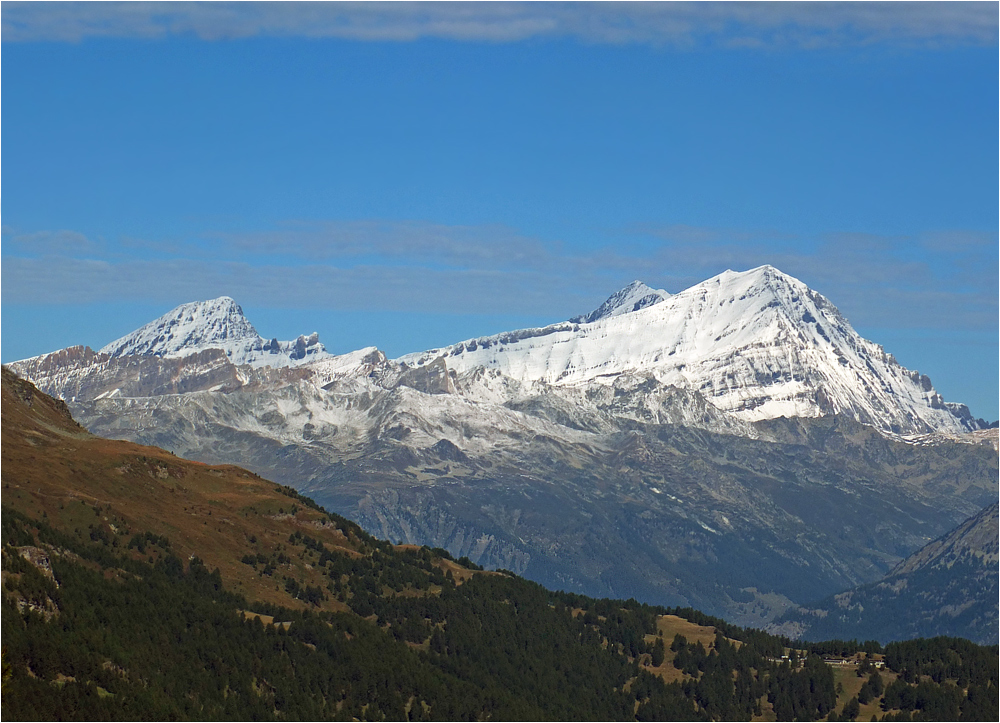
[(410, 175)]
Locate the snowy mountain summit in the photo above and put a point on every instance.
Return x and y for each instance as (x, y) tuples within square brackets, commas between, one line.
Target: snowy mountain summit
[(757, 344), (633, 297), (216, 324)]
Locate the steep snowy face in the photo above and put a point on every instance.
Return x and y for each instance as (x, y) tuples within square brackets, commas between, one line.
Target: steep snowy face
[(633, 297), (758, 344), (216, 324)]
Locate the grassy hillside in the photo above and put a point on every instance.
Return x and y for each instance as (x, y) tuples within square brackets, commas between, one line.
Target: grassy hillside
[(142, 586)]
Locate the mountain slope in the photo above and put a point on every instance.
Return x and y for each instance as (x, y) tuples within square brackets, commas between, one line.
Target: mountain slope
[(107, 552), (87, 610), (56, 469), (948, 587)]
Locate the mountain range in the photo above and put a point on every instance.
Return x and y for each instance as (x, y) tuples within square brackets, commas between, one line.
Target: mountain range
[(736, 446)]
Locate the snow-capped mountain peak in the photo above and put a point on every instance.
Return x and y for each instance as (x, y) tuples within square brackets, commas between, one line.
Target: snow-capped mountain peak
[(759, 282), (757, 344), (198, 325), (215, 324), (633, 297)]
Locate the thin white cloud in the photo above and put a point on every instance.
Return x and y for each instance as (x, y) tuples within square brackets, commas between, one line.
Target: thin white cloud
[(677, 24), (399, 266), (959, 241), (484, 246), (60, 280), (49, 242)]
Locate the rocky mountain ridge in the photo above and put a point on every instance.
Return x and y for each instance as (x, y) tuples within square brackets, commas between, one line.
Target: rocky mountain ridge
[(633, 297), (977, 538)]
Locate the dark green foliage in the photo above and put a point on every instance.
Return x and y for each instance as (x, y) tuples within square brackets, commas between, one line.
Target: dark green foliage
[(929, 700), (466, 562), (872, 688), (165, 640), (148, 539), (944, 658), (658, 653), (851, 709), (941, 679), (804, 694)]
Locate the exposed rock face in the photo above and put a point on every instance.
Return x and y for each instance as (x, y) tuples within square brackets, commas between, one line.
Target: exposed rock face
[(948, 587), (433, 378), (79, 373)]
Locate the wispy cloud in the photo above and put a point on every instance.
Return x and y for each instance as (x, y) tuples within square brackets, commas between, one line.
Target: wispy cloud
[(943, 280), (60, 280), (677, 24), (891, 281), (49, 242), (489, 246)]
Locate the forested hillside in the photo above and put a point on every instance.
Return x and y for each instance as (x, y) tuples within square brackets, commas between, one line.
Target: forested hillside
[(141, 586)]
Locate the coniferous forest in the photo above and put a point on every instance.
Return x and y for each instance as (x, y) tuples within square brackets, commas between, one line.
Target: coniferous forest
[(97, 634)]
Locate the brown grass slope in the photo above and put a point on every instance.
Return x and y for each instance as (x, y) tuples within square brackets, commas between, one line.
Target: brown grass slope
[(53, 469)]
